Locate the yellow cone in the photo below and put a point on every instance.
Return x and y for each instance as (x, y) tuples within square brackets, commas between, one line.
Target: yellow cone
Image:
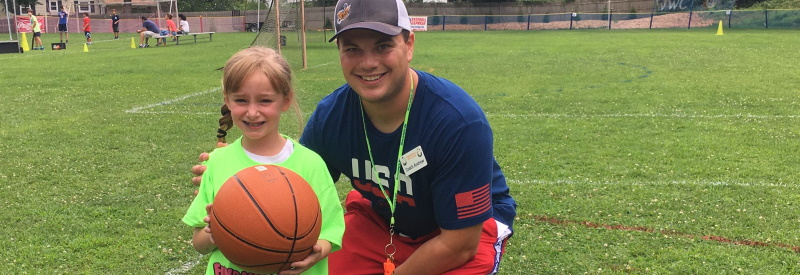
[(719, 30), (25, 46), (133, 43), (85, 48)]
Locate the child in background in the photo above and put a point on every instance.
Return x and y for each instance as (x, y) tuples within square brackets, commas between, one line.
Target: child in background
[(115, 23), (171, 28), (37, 31), (87, 28), (162, 41), (62, 24), (184, 25), (257, 89)]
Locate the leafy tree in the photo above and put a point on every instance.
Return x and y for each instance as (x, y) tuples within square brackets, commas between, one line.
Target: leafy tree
[(632, 13), (211, 5), (25, 3), (320, 3)]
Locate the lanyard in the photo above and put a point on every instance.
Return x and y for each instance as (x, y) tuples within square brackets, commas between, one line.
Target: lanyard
[(393, 201)]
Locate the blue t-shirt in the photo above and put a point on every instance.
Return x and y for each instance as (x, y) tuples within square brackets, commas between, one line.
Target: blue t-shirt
[(150, 26), (62, 17), (462, 184)]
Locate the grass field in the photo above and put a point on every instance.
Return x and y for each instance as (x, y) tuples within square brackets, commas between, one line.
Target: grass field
[(642, 151)]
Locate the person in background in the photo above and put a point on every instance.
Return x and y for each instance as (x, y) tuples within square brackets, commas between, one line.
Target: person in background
[(63, 14), (170, 27), (115, 23), (184, 25), (37, 31), (87, 28), (149, 29)]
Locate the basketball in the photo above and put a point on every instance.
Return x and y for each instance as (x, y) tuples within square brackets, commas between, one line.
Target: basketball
[(264, 218)]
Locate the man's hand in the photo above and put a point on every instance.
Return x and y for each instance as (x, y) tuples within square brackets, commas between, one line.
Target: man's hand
[(199, 169)]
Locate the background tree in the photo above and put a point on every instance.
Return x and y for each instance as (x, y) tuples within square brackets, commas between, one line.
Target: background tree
[(25, 3), (211, 5)]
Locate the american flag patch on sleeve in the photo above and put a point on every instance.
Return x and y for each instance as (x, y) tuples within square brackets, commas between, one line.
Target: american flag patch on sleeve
[(473, 203)]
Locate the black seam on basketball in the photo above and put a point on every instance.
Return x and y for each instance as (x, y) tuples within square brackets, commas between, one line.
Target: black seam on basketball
[(296, 213), (222, 225), (263, 215)]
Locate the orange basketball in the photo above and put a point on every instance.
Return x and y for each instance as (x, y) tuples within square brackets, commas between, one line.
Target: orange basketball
[(264, 218)]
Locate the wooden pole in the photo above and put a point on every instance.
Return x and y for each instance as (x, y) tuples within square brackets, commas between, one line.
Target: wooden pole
[(303, 33), (276, 6)]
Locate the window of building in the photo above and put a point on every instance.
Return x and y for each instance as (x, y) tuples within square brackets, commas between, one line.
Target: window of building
[(52, 6), (85, 6)]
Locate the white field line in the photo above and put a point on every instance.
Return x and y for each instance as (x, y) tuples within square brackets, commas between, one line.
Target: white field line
[(140, 109), (185, 267), (622, 115), (320, 65), (666, 182)]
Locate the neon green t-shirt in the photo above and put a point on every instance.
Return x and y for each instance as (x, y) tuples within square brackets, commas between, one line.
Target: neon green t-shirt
[(35, 24), (225, 162)]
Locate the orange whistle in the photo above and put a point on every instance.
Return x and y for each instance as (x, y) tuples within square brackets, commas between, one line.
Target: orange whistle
[(388, 267)]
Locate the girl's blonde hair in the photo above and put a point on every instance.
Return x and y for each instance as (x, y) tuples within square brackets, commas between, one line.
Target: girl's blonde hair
[(254, 60)]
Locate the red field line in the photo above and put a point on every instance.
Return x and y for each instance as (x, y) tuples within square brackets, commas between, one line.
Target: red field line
[(719, 239)]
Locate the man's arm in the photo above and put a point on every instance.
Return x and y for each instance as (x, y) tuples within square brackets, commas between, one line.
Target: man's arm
[(451, 249)]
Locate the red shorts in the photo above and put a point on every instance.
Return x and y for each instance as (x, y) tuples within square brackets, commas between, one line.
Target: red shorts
[(366, 235)]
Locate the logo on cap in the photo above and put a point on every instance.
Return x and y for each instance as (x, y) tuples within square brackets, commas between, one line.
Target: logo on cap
[(342, 14)]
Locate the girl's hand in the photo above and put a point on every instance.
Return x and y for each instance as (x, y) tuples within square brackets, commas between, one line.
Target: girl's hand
[(319, 252)]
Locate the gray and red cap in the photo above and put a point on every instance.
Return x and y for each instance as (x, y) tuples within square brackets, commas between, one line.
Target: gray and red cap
[(386, 16)]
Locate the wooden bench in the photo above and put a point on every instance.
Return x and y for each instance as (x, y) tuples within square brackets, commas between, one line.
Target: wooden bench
[(178, 37), (194, 34)]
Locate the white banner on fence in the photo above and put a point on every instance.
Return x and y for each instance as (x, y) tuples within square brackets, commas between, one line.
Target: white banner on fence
[(419, 23)]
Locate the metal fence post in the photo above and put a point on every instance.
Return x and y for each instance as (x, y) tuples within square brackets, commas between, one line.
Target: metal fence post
[(652, 13), (571, 15), (610, 14), (485, 22), (529, 22), (766, 19), (730, 14), (691, 10)]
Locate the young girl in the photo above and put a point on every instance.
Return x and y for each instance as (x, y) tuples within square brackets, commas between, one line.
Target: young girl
[(184, 25), (256, 87)]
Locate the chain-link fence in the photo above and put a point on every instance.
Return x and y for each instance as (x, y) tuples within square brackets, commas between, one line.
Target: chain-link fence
[(734, 19), (744, 19)]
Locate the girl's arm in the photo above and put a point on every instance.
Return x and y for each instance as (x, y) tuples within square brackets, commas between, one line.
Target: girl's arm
[(201, 239), (202, 242)]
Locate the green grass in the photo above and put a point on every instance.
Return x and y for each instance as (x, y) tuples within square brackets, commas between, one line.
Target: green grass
[(627, 150)]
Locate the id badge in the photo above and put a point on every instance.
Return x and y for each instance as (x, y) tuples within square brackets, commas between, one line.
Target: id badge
[(413, 161)]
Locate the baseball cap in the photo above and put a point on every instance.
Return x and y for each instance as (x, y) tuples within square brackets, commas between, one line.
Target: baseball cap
[(386, 16)]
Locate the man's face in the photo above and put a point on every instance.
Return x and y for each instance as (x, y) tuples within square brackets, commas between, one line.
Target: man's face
[(376, 65)]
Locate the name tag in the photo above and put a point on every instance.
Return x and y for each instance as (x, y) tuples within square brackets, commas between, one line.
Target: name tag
[(413, 161)]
